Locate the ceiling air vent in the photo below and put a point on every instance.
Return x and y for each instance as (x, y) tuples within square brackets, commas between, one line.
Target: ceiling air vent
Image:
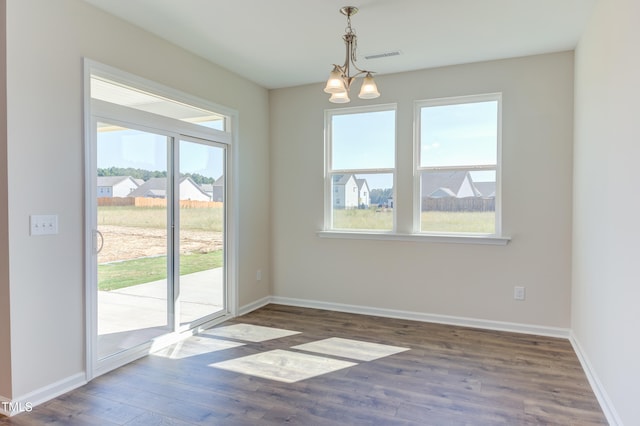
[(382, 55)]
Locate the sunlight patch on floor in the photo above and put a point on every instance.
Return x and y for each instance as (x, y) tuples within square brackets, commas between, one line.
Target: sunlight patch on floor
[(249, 332), (283, 366), (353, 349), (196, 346)]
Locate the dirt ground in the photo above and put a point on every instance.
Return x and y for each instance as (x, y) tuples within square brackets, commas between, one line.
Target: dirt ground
[(125, 243)]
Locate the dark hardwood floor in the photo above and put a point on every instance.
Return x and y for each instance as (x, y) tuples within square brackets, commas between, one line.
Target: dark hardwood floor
[(450, 376)]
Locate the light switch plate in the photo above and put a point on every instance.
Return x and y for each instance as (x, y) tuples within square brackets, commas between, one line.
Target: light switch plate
[(519, 293), (43, 224)]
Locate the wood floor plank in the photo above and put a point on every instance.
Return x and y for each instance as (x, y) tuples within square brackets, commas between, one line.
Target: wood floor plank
[(450, 376)]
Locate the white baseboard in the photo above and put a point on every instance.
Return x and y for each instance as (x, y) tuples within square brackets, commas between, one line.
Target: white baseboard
[(424, 317), (603, 398), (3, 403), (243, 310), (27, 402)]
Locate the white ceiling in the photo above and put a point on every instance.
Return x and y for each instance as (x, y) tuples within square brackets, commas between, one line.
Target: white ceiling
[(282, 43)]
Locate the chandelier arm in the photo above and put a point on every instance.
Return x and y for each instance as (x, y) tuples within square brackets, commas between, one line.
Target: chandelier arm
[(351, 42), (360, 71), (347, 62)]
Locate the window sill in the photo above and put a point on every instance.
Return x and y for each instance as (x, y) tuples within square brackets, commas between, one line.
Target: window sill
[(422, 238)]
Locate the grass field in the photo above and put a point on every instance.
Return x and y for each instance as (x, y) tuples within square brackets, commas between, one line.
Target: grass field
[(209, 219), (468, 222), (381, 220), (112, 276), (432, 221)]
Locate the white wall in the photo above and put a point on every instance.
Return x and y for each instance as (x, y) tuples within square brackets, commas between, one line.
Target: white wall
[(46, 41), (606, 221), (474, 281), (5, 332)]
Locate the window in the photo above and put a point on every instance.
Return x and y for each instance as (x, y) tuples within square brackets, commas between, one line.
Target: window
[(360, 175), (457, 165), (456, 172)]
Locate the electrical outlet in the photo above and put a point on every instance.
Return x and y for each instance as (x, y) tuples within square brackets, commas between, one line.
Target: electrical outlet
[(43, 224), (519, 293), (259, 275)]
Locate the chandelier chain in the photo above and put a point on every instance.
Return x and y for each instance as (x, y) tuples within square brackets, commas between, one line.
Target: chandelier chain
[(352, 39)]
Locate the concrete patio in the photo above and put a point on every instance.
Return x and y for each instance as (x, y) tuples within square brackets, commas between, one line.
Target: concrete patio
[(133, 315)]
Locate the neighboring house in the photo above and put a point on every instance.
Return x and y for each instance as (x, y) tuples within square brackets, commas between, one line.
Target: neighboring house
[(153, 188), (189, 190), (207, 188), (448, 184), (364, 194), (214, 190), (157, 188), (217, 190), (345, 192), (456, 191), (115, 186)]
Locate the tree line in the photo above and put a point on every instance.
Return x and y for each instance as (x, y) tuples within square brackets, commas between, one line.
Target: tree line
[(145, 175), (380, 196)]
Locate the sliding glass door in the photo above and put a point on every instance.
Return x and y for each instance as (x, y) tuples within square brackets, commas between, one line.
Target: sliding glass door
[(201, 261), (132, 207), (159, 224)]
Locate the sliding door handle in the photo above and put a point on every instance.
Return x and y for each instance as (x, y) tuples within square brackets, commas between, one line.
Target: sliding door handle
[(99, 249)]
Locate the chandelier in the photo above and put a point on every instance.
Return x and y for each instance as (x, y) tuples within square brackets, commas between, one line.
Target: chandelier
[(340, 78)]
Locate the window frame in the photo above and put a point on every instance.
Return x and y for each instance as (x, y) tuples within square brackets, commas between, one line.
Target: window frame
[(329, 172), (418, 169)]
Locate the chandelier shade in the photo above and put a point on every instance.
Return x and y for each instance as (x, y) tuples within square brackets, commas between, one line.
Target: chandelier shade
[(340, 78), (369, 89), (340, 98), (335, 84)]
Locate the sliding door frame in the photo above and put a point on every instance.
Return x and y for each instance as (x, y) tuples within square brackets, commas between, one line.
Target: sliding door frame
[(97, 110)]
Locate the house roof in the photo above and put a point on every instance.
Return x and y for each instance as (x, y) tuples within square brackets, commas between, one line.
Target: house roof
[(158, 187), (450, 181), (153, 184), (341, 179), (161, 193), (442, 193), (113, 180), (487, 189), (361, 183), (438, 184), (209, 187)]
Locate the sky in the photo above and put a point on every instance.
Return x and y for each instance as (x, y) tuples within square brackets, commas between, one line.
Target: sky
[(148, 151), (458, 135), (450, 135), (365, 141)]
